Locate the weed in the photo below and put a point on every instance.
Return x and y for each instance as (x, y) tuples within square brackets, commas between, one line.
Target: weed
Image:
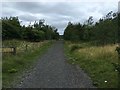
[(13, 70)]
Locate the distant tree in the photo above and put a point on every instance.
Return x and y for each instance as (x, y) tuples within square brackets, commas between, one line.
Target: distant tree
[(11, 29), (90, 21), (73, 32), (104, 31), (118, 30)]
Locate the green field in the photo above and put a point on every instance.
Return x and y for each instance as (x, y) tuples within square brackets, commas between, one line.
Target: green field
[(97, 61), (13, 66)]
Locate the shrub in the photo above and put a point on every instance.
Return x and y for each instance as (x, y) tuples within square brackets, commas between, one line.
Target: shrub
[(117, 66), (13, 70), (75, 47)]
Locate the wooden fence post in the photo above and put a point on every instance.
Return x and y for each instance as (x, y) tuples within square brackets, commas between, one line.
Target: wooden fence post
[(26, 47), (14, 50)]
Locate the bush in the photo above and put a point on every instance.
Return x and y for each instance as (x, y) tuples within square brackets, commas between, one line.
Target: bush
[(117, 66), (75, 47)]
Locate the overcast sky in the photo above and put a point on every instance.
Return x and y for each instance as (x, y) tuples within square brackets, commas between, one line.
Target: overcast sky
[(57, 14)]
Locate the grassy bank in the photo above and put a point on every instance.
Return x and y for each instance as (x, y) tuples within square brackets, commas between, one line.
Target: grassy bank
[(14, 65), (97, 61)]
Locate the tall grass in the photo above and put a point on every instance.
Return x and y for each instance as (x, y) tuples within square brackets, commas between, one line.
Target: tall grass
[(97, 61), (22, 46)]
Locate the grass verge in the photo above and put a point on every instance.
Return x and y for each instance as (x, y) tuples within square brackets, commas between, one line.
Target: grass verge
[(97, 61), (14, 65)]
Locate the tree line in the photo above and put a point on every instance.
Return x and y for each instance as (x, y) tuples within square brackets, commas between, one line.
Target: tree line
[(12, 29), (102, 32)]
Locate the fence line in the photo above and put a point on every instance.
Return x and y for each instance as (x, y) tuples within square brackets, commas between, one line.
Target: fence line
[(9, 50)]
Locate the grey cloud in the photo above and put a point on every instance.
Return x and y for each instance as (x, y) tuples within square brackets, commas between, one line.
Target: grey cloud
[(9, 12), (28, 17), (57, 14), (48, 8), (60, 25)]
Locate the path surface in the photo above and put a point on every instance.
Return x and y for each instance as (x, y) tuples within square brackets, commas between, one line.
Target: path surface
[(52, 71)]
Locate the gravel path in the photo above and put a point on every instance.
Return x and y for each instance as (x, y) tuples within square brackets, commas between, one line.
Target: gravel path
[(52, 71)]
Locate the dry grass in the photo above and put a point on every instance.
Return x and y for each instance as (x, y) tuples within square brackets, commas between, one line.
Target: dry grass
[(97, 62), (106, 52), (21, 46)]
